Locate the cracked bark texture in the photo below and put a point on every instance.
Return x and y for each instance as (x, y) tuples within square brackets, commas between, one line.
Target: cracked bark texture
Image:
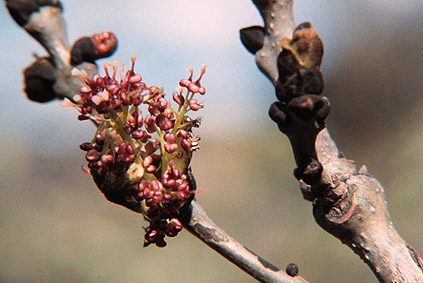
[(348, 203)]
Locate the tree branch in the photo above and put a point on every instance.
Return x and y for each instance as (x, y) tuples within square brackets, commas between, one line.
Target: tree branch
[(347, 203), (49, 77), (43, 20), (201, 226), (265, 41)]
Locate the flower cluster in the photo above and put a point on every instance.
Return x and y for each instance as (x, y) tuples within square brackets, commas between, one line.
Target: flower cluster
[(140, 160)]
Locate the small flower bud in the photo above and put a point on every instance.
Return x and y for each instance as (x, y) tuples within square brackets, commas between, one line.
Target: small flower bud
[(175, 173), (184, 82), (85, 90), (107, 158), (171, 231), (92, 155), (181, 196), (148, 160), (86, 146), (192, 87), (128, 128), (83, 117), (129, 149), (113, 89), (150, 147), (194, 105), (178, 98), (151, 169), (186, 145), (183, 187), (170, 138), (166, 198), (170, 147), (163, 122), (136, 118), (176, 223), (169, 183), (154, 109), (150, 124), (135, 79), (162, 103), (157, 197), (147, 193)]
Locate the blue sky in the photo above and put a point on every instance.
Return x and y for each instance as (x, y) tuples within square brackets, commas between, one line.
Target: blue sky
[(170, 36)]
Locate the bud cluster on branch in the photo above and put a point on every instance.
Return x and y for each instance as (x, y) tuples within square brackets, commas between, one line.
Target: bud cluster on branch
[(146, 174)]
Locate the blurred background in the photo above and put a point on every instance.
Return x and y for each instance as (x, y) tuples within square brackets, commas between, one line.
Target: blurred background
[(57, 227)]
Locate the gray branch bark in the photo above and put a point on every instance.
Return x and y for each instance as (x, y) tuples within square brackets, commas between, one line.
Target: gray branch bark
[(348, 203)]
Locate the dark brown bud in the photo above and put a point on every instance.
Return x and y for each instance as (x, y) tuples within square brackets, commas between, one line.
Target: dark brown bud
[(292, 269), (252, 38), (40, 77)]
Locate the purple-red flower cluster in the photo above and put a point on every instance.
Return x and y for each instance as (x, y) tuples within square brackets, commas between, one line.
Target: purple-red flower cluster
[(131, 167)]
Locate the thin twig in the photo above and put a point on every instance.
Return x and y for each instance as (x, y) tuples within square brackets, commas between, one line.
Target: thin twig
[(201, 226)]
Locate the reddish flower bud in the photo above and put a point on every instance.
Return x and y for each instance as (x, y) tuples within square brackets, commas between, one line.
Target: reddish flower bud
[(92, 155), (194, 105), (178, 98), (166, 198), (170, 138), (176, 223), (150, 147), (175, 173), (182, 134), (193, 87), (163, 122), (113, 89), (157, 197), (135, 79), (162, 103), (128, 128), (154, 109), (150, 169), (83, 117), (171, 231), (183, 187), (170, 147), (136, 119), (148, 160), (150, 124), (86, 146), (107, 158), (138, 134), (181, 196), (129, 149), (186, 145), (98, 80), (147, 193), (169, 183), (184, 82), (125, 158), (85, 90)]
